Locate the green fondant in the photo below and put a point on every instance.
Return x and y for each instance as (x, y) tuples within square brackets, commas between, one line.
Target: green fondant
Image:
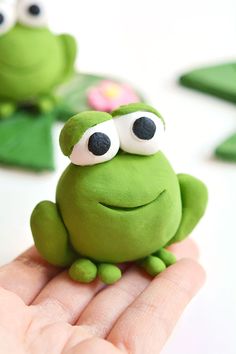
[(26, 141), (33, 61), (167, 257), (194, 198), (219, 80), (227, 150), (125, 209), (153, 265), (83, 271), (109, 273), (6, 109), (50, 235), (70, 50), (77, 125), (135, 107)]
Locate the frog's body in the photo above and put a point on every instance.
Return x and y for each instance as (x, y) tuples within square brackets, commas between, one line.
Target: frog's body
[(126, 209), (33, 61)]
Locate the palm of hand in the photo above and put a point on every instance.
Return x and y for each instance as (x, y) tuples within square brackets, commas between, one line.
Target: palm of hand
[(43, 311)]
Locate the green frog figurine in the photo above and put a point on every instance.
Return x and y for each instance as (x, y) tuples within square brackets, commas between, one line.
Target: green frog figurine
[(119, 200)]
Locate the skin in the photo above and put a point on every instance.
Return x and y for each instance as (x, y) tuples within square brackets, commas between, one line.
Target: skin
[(43, 310), (29, 76), (115, 216)]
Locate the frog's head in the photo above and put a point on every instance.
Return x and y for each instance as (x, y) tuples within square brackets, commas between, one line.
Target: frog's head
[(32, 59), (124, 192)]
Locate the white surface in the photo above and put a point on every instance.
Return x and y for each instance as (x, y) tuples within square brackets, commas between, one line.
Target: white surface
[(149, 43)]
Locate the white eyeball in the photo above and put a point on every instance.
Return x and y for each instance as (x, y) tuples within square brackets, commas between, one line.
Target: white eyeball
[(98, 144), (7, 17), (32, 13), (140, 133)]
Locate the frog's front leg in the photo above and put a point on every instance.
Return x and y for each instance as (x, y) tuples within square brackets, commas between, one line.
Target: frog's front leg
[(7, 108), (50, 235), (194, 198)]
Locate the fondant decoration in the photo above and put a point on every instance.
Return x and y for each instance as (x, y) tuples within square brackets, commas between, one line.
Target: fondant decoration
[(227, 150), (109, 95), (126, 209), (26, 141), (140, 134), (220, 81)]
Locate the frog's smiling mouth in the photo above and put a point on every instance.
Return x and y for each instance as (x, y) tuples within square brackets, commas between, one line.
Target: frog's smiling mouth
[(22, 69), (123, 208)]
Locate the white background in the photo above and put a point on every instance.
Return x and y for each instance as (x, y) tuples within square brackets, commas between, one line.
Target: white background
[(149, 43)]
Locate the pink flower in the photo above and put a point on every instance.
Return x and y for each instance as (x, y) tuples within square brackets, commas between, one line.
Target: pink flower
[(109, 95)]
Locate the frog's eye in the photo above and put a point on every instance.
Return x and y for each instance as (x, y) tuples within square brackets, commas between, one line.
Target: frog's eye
[(32, 13), (7, 17), (140, 133), (98, 144)]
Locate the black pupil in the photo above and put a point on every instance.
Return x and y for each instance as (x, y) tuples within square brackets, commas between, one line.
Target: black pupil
[(1, 18), (144, 128), (34, 10), (99, 144)]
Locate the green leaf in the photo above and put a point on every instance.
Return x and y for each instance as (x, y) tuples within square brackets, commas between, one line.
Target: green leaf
[(26, 141), (227, 150)]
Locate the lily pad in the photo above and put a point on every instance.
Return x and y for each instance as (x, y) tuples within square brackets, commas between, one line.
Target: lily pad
[(26, 141), (219, 80), (227, 150)]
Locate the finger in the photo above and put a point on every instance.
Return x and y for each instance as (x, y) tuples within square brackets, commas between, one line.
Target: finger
[(27, 275), (185, 249), (147, 323), (94, 346), (64, 299), (104, 310)]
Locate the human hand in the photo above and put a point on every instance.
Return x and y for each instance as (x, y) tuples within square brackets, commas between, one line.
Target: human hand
[(44, 311)]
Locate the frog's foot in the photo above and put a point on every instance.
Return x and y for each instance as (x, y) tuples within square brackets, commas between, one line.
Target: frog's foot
[(47, 103), (153, 265), (83, 271), (109, 273), (7, 109), (167, 257)]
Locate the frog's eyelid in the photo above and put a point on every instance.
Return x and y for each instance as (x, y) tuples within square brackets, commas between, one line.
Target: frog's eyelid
[(83, 156)]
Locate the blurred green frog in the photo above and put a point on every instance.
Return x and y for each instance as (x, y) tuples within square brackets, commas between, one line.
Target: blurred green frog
[(33, 60)]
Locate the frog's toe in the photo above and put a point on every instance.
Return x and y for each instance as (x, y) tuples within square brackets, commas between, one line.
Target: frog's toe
[(7, 109), (83, 271), (46, 104), (109, 273), (153, 265), (167, 257)]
